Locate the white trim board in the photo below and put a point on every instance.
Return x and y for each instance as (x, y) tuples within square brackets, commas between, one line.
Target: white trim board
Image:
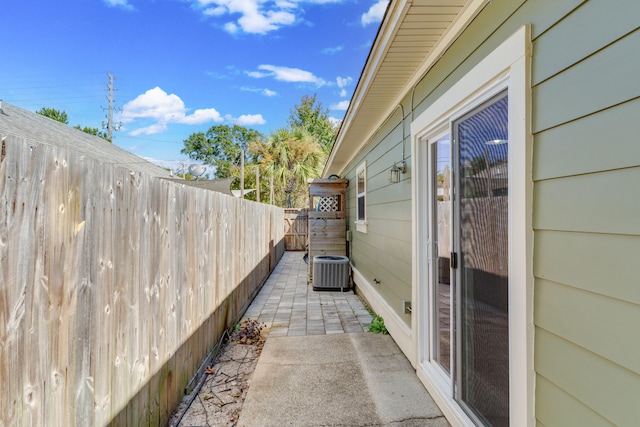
[(508, 66), (398, 330)]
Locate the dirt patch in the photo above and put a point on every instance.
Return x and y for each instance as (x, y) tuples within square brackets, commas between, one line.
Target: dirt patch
[(226, 382)]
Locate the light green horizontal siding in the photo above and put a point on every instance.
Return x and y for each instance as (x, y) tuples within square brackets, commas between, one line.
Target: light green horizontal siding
[(604, 136), (581, 34), (585, 100), (384, 252), (607, 388), (393, 250), (605, 264), (587, 319), (557, 408), (383, 270), (586, 166), (598, 82), (598, 203)]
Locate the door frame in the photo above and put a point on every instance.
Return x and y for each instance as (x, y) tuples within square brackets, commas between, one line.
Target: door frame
[(508, 66), (431, 294)]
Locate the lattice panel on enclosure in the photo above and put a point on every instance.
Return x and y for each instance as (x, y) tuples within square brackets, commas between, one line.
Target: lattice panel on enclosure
[(329, 204)]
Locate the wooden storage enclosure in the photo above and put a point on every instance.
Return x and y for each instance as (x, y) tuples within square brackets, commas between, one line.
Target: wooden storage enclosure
[(327, 219)]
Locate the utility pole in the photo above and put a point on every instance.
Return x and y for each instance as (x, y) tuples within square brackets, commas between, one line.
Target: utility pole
[(109, 125), (271, 190), (257, 184), (242, 174)]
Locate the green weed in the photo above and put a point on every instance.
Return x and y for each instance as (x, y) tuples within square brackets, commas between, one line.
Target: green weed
[(377, 326)]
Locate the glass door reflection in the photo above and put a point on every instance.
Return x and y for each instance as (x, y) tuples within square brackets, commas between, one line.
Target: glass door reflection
[(441, 232), (482, 281)]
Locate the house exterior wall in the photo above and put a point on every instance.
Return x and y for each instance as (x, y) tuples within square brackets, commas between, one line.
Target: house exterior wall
[(586, 162), (383, 253), (585, 169)]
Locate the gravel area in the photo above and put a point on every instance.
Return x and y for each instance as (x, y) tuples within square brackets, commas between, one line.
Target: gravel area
[(219, 401)]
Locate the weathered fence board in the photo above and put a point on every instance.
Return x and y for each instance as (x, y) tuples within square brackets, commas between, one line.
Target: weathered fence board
[(114, 285)]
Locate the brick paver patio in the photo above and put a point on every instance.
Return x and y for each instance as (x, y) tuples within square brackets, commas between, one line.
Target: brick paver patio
[(290, 307)]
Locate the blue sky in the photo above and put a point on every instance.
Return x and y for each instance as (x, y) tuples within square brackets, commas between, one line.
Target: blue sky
[(182, 66)]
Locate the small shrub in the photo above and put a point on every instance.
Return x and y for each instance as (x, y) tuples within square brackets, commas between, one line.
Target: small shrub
[(377, 326)]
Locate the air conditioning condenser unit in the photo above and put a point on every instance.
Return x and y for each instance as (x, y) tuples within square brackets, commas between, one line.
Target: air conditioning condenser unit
[(330, 272)]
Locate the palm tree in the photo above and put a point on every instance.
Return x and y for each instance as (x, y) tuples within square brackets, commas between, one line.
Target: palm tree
[(291, 157)]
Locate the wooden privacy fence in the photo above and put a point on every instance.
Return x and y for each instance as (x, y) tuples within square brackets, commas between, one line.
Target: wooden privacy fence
[(296, 229), (114, 285)]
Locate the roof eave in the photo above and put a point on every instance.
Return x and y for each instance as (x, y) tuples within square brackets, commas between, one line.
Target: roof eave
[(395, 11), (344, 150)]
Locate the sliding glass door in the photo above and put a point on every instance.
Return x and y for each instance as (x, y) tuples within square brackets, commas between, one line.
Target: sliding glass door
[(469, 265), (482, 274)]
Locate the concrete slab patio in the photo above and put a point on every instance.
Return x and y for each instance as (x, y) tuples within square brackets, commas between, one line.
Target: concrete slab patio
[(352, 379), (319, 366)]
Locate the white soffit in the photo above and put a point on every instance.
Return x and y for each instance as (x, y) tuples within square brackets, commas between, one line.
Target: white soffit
[(411, 38)]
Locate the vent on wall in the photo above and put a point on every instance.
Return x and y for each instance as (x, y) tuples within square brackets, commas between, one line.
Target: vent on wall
[(330, 272)]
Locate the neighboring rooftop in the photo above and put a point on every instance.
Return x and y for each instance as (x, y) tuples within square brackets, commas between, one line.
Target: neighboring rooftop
[(43, 130)]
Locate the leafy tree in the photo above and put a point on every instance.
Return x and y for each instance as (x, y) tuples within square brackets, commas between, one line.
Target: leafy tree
[(52, 113), (93, 131), (310, 116), (291, 157), (220, 147)]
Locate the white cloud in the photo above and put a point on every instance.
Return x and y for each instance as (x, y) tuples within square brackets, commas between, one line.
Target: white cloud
[(202, 116), (287, 74), (158, 106), (119, 3), (250, 119), (261, 23), (230, 27), (154, 104), (323, 1), (256, 16), (149, 130), (217, 76), (332, 50), (335, 121), (286, 4), (375, 13), (257, 74), (215, 11), (247, 119), (343, 81), (265, 92), (342, 105)]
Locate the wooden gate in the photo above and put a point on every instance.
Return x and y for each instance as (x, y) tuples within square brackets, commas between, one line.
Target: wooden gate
[(296, 229)]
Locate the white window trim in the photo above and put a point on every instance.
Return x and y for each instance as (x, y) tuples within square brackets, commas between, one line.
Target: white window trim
[(361, 225), (507, 66)]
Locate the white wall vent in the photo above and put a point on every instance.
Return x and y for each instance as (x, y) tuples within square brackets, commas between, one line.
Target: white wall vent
[(330, 272)]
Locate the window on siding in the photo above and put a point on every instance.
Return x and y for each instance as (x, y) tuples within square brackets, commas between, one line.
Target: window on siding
[(361, 205)]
